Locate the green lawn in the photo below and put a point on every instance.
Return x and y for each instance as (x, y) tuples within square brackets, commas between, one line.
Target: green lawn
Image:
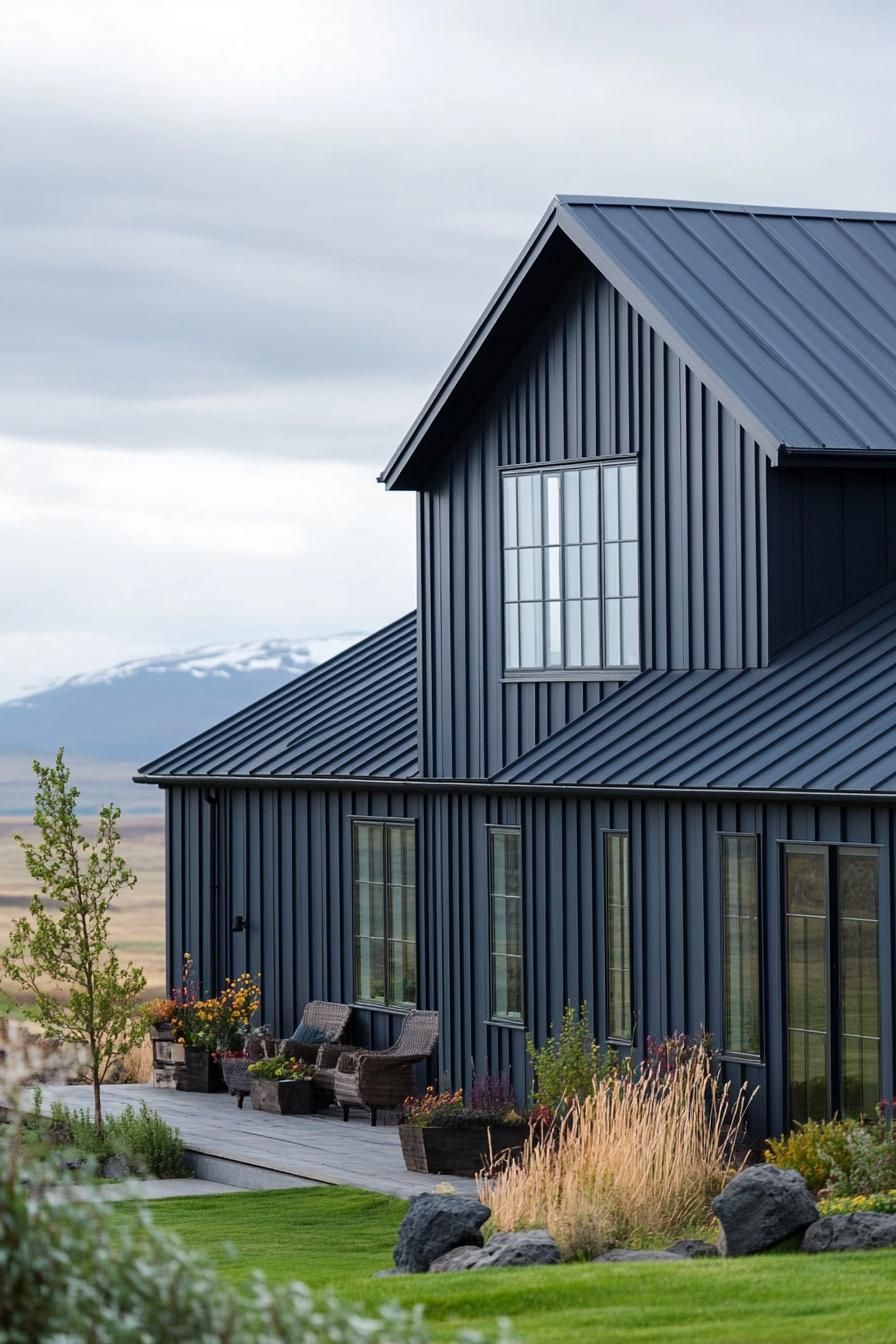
[(338, 1237)]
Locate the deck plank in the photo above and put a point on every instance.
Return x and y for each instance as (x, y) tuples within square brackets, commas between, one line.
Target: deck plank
[(321, 1148)]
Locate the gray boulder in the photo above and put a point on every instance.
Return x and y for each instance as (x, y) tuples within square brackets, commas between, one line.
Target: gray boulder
[(505, 1249), (851, 1232), (761, 1208), (691, 1249), (462, 1257), (435, 1224), (620, 1255), (115, 1168)]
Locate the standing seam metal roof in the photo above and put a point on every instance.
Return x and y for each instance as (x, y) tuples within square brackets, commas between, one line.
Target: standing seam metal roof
[(821, 717), (794, 311), (789, 315), (354, 715)]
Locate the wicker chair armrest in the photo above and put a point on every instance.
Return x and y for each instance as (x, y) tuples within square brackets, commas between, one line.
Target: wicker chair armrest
[(349, 1062), (369, 1066), (328, 1055)]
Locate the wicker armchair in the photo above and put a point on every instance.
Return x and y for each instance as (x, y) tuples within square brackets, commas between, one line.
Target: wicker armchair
[(381, 1079), (330, 1018)]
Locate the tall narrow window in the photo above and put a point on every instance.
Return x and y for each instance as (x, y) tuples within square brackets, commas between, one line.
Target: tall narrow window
[(740, 937), (571, 568), (857, 881), (619, 951), (385, 912), (505, 898)]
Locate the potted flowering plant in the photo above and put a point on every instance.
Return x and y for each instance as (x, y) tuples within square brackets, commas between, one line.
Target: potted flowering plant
[(204, 1027), (444, 1132), (282, 1085)]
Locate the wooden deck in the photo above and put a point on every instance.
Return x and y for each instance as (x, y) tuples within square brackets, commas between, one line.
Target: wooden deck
[(257, 1150)]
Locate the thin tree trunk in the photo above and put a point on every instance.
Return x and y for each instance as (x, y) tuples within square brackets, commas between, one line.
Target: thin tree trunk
[(97, 1100)]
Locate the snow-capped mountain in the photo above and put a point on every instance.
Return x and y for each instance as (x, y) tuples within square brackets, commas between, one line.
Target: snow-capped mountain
[(114, 720)]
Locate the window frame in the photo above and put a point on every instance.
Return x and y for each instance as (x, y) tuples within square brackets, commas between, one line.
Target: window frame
[(386, 1005), (832, 850), (515, 1023), (726, 1052), (601, 671), (608, 834)]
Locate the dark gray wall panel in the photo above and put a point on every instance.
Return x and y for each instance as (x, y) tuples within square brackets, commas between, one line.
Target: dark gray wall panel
[(590, 380), (832, 541), (286, 865)]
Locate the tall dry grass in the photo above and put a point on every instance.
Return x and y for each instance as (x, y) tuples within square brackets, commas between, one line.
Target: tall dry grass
[(640, 1157)]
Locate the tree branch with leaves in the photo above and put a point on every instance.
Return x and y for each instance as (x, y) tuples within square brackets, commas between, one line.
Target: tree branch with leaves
[(60, 956)]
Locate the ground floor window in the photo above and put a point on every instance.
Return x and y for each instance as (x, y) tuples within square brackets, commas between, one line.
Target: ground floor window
[(506, 904), (619, 947), (384, 875), (740, 944), (833, 980)]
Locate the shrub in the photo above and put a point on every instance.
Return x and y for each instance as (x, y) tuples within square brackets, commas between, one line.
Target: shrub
[(150, 1144), (70, 1273), (571, 1064), (636, 1158), (841, 1157), (884, 1202)]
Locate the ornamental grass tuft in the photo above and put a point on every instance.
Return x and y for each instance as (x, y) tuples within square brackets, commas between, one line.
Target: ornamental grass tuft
[(640, 1157)]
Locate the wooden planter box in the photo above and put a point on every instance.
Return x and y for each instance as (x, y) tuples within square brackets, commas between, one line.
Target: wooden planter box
[(199, 1072), (167, 1056), (457, 1152), (289, 1098)]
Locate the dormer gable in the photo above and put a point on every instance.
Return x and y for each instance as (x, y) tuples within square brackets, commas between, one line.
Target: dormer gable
[(787, 316)]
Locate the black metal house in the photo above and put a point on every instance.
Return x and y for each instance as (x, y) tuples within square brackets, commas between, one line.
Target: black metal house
[(637, 745)]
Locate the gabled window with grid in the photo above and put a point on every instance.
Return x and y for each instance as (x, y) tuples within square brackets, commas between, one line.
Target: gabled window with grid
[(570, 541)]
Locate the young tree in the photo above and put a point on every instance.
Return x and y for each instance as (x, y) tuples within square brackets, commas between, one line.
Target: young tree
[(62, 957)]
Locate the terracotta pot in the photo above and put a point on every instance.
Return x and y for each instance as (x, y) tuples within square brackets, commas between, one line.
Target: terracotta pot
[(457, 1152)]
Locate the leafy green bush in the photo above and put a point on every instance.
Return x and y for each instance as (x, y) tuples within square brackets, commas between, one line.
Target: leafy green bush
[(569, 1065), (813, 1149), (884, 1202), (841, 1157), (69, 1273), (150, 1144)]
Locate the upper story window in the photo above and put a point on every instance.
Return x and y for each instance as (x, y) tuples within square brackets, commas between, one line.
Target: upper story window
[(570, 539)]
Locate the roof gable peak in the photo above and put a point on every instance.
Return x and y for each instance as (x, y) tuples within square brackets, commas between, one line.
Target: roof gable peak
[(786, 315)]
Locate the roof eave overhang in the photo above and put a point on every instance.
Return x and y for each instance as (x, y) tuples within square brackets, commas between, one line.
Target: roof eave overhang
[(404, 471), (383, 784)]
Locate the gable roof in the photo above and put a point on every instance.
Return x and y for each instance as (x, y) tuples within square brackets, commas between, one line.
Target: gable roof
[(821, 718), (789, 316), (353, 716)]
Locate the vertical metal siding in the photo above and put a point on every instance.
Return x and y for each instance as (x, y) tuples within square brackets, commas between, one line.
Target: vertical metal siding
[(288, 868), (831, 540), (591, 379)]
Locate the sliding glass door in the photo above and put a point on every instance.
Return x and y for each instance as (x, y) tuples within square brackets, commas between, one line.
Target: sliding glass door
[(833, 980)]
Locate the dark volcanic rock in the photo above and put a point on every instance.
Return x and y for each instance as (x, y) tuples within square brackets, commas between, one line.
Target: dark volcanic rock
[(851, 1232), (435, 1224), (462, 1257), (690, 1249), (761, 1208)]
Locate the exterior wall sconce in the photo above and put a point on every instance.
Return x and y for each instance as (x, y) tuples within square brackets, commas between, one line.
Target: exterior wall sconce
[(239, 924)]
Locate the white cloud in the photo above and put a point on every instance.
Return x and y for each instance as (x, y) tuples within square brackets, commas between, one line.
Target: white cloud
[(240, 242), (108, 554)]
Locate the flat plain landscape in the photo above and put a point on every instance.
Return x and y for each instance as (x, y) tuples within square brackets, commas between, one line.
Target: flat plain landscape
[(138, 922)]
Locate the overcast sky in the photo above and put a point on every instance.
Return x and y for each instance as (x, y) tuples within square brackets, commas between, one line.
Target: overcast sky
[(239, 242)]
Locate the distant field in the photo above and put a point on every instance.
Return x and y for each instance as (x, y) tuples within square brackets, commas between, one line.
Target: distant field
[(138, 924)]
